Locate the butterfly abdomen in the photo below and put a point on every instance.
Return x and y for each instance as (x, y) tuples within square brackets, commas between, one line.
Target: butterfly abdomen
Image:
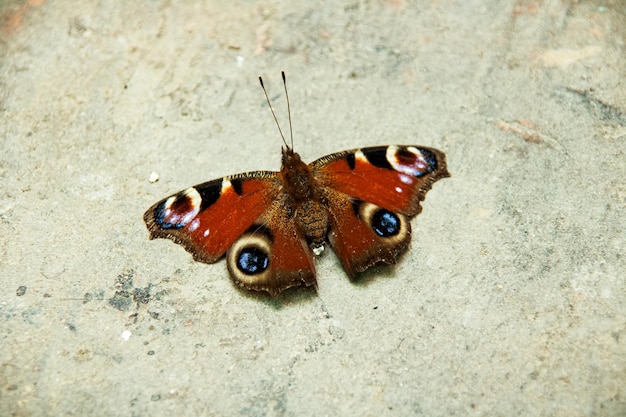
[(312, 220)]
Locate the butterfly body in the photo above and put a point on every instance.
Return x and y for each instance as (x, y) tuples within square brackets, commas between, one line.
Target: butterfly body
[(269, 225)]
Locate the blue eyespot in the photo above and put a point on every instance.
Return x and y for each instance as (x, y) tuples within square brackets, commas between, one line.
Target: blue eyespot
[(252, 261), (385, 223)]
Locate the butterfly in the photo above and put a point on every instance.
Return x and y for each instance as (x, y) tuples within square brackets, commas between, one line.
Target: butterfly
[(270, 225)]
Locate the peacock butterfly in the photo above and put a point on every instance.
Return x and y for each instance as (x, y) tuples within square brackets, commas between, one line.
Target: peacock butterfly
[(271, 224)]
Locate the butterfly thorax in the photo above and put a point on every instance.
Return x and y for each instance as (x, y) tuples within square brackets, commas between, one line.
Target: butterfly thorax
[(310, 214), (298, 181)]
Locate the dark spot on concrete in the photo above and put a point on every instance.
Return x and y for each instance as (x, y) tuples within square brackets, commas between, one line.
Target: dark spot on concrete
[(126, 294), (125, 281), (83, 355), (142, 295), (133, 317), (121, 300)]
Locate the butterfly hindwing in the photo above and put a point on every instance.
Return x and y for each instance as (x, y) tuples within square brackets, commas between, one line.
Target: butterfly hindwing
[(363, 234), (271, 255), (206, 219)]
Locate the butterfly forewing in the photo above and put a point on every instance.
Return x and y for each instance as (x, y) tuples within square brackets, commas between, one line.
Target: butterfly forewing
[(207, 219), (394, 177)]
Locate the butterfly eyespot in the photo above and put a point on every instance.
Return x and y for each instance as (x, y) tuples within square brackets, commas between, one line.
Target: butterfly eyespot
[(385, 223), (249, 259), (410, 160), (177, 211), (252, 260)]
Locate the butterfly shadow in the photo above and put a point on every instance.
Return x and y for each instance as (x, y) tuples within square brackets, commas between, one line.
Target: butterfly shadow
[(374, 273), (289, 297)]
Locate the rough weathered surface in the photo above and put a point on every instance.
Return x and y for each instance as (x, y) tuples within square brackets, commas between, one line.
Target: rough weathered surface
[(511, 301)]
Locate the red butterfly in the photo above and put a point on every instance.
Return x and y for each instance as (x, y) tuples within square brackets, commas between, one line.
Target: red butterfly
[(269, 224)]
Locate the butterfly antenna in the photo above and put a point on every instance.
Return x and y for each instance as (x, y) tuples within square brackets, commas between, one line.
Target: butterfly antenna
[(288, 107), (272, 110)]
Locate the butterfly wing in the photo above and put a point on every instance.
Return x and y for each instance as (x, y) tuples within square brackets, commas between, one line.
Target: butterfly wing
[(371, 194), (245, 215)]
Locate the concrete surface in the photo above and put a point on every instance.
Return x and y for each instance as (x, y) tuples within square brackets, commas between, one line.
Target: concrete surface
[(511, 301)]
